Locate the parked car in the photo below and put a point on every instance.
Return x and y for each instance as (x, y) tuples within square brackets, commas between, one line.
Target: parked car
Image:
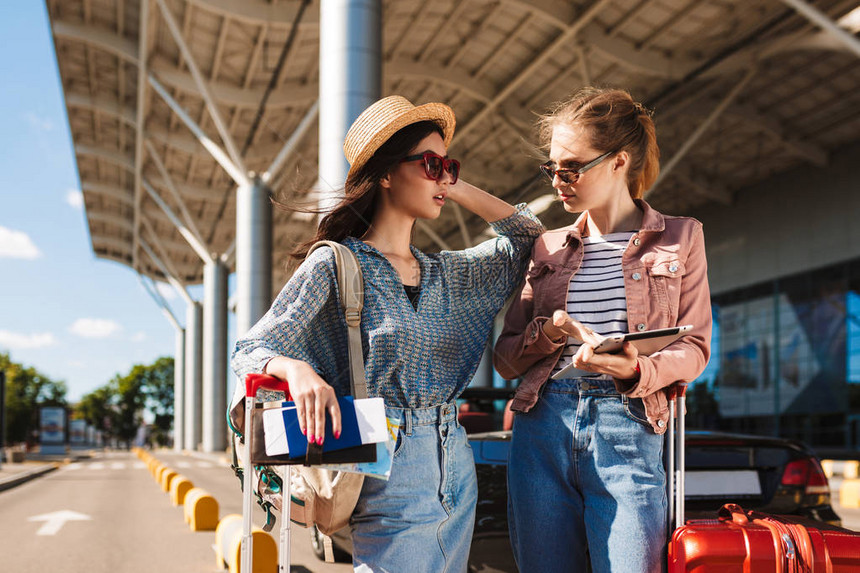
[(766, 474), (773, 475)]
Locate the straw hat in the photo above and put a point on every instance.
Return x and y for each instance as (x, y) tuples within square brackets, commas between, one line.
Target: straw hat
[(385, 118)]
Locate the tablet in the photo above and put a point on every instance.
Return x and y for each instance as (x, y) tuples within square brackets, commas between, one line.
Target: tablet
[(646, 342)]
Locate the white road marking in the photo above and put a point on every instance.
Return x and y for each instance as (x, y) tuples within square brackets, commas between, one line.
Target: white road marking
[(183, 465), (203, 465), (96, 466), (117, 466), (55, 521), (74, 466)]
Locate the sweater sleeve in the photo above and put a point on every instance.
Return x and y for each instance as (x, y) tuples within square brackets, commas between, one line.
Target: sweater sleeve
[(282, 331), (496, 265)]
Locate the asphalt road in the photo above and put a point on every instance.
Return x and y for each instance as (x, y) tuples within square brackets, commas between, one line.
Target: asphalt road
[(108, 515)]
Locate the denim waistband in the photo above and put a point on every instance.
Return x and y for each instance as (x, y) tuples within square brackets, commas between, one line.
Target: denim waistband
[(433, 415), (584, 385)]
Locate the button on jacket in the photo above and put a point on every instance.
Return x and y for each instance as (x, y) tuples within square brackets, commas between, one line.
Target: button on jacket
[(665, 283)]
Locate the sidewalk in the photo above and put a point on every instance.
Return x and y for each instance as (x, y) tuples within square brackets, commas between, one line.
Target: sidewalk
[(35, 465)]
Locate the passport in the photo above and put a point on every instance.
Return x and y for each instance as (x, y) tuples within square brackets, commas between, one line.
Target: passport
[(362, 422)]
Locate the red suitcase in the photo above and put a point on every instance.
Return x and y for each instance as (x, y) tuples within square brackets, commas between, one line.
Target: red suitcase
[(749, 542)]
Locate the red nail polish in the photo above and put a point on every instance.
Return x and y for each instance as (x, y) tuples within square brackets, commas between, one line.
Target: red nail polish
[(311, 439), (320, 440), (304, 432), (337, 435)]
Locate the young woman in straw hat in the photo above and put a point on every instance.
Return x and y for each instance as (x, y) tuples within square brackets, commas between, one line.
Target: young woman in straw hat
[(586, 452), (425, 324)]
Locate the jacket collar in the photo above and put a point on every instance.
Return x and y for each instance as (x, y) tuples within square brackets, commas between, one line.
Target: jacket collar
[(652, 221)]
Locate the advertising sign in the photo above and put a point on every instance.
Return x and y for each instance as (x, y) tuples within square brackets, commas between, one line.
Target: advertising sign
[(78, 433), (52, 430)]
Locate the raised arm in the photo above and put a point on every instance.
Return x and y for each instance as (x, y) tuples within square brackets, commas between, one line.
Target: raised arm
[(488, 207), (489, 272)]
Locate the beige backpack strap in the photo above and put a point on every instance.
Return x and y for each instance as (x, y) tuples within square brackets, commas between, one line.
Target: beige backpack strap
[(328, 550), (350, 283)]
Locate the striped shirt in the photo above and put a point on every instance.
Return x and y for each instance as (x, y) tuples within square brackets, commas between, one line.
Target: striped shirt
[(595, 295)]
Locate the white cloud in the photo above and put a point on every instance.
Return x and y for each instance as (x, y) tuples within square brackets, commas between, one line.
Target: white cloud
[(138, 336), (94, 327), (75, 198), (17, 245), (17, 341), (39, 122)]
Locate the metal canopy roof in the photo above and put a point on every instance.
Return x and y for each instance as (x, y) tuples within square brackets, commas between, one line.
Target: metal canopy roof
[(742, 90)]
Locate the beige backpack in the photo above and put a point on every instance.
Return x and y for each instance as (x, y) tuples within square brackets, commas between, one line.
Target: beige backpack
[(317, 496)]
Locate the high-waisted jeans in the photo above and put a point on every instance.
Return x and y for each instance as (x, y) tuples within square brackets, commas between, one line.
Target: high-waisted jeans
[(422, 518), (586, 472)]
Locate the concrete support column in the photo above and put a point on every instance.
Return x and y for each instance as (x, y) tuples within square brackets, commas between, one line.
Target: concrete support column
[(253, 254), (193, 378), (179, 391), (214, 356), (350, 80)]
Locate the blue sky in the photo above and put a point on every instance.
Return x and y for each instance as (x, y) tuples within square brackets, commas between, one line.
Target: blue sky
[(72, 316)]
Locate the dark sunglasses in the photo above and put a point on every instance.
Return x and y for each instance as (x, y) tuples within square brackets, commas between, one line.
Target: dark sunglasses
[(435, 165), (570, 175)]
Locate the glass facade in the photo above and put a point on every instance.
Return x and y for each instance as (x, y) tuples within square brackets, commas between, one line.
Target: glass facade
[(786, 360)]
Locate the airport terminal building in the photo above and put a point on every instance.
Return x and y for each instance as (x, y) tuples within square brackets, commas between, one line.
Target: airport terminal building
[(784, 270), (187, 116)]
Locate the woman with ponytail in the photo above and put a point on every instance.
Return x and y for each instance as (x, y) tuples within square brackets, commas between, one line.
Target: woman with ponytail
[(586, 477), (424, 327)]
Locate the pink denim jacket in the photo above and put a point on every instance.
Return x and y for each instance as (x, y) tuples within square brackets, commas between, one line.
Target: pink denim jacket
[(666, 284)]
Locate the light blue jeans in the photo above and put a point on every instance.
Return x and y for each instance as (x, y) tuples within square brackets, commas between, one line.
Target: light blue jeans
[(586, 472), (422, 518)]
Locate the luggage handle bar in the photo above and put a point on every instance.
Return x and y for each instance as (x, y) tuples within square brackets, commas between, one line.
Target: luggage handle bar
[(253, 382), (677, 460)]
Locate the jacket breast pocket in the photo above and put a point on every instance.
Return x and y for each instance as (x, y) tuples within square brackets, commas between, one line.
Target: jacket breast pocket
[(665, 277), (539, 279)]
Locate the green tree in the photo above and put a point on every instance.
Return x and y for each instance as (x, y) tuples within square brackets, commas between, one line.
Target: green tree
[(158, 382), (117, 408), (26, 390), (97, 409), (129, 401)]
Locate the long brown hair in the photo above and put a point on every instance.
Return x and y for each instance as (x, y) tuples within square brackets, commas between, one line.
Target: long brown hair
[(354, 214), (614, 122)]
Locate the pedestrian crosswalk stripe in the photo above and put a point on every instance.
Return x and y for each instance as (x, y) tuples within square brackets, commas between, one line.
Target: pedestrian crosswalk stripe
[(99, 466)]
